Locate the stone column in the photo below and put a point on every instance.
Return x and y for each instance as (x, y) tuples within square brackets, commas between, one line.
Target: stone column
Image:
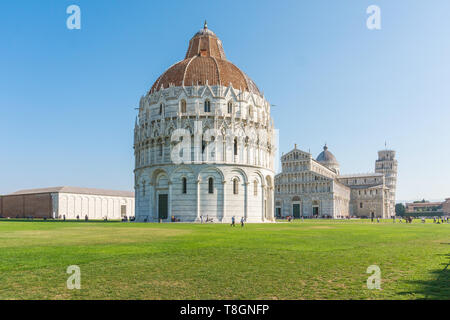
[(198, 199), (163, 150), (270, 203), (224, 209), (152, 214), (169, 204), (246, 184), (263, 189)]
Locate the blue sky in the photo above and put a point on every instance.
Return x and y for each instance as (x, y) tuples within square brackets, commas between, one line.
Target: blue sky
[(67, 97)]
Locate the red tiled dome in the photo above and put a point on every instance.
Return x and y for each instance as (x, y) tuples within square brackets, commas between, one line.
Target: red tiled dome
[(205, 62)]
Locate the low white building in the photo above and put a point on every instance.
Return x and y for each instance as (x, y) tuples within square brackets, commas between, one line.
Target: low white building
[(70, 202)]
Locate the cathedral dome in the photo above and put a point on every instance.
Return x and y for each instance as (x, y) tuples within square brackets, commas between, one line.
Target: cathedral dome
[(205, 63), (328, 159)]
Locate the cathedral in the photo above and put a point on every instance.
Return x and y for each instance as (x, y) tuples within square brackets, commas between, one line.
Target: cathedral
[(203, 142), (314, 188)]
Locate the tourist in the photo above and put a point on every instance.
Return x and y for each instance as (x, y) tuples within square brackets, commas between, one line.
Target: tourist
[(232, 221), (242, 221), (201, 219)]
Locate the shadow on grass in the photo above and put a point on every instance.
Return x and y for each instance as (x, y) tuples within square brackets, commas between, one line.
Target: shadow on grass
[(439, 287)]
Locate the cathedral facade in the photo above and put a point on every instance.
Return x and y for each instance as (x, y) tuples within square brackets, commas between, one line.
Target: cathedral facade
[(203, 142), (314, 188)]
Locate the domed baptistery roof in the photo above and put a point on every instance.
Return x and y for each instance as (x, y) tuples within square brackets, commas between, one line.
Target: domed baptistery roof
[(203, 142), (205, 63), (328, 159)]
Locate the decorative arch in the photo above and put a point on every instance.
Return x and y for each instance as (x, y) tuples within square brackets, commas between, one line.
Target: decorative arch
[(240, 172), (157, 174), (181, 168), (211, 168), (261, 177)]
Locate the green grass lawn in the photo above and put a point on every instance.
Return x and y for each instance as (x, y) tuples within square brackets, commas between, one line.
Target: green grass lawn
[(298, 260)]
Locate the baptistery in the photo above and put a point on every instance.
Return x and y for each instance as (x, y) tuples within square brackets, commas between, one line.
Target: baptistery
[(204, 142)]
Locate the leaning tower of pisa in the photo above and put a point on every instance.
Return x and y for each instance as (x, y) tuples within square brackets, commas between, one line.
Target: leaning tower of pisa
[(387, 165)]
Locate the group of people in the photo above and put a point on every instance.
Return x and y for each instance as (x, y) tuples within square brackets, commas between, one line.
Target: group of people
[(443, 220), (435, 220), (407, 219), (208, 219), (290, 218), (233, 221)]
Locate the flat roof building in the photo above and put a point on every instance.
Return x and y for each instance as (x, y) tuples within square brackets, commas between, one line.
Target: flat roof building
[(423, 206), (67, 202)]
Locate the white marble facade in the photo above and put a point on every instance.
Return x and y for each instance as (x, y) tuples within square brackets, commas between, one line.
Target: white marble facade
[(315, 188), (242, 174), (230, 143), (94, 206)]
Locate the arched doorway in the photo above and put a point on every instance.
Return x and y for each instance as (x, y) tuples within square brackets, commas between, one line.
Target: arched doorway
[(296, 207), (162, 197), (315, 208)]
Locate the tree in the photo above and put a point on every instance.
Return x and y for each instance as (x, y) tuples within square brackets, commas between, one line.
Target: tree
[(400, 209)]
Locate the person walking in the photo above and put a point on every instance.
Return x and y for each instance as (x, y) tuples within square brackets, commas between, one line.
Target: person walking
[(242, 221), (232, 221)]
